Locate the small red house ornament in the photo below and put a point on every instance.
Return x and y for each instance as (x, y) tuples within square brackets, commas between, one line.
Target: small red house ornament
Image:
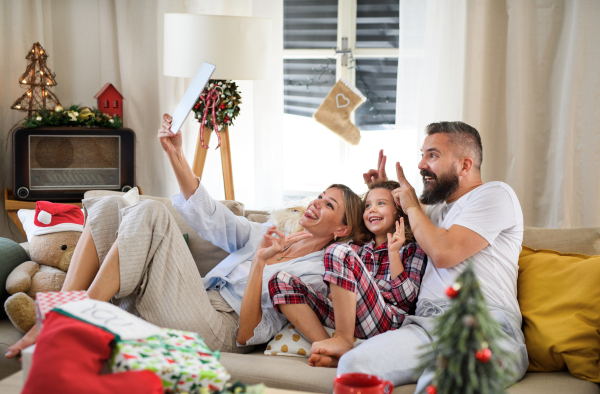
[(110, 101)]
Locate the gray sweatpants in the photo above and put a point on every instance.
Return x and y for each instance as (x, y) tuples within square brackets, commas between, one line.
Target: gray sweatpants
[(159, 280), (394, 355)]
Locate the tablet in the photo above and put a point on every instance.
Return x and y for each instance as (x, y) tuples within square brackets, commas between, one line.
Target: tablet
[(191, 95)]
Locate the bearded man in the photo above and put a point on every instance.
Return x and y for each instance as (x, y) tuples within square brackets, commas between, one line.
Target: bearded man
[(463, 219)]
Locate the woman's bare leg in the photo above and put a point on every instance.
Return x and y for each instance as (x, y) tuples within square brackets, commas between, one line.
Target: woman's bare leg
[(106, 283), (84, 263), (82, 271)]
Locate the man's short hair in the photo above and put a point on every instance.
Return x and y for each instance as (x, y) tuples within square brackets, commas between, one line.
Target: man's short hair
[(465, 139)]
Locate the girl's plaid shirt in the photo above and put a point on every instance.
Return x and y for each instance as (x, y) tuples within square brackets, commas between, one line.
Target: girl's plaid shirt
[(403, 290)]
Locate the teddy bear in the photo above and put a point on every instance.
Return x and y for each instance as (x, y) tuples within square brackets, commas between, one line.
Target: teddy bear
[(286, 218), (56, 230)]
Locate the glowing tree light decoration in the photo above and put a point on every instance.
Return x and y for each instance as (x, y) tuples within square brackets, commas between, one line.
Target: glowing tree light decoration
[(39, 78)]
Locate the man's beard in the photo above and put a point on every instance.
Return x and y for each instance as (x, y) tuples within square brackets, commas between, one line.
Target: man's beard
[(445, 185)]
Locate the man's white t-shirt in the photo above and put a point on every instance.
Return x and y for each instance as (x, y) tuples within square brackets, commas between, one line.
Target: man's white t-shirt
[(492, 211)]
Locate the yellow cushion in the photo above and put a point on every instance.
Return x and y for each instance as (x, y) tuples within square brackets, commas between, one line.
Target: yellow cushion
[(559, 296)]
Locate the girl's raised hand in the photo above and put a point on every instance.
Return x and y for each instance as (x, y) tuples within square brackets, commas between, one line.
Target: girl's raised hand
[(170, 142), (396, 241)]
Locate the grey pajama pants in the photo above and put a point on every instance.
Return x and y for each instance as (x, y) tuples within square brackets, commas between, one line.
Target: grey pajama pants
[(159, 280), (394, 355)]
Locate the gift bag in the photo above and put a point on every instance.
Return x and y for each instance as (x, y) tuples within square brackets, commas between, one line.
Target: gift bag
[(181, 360)]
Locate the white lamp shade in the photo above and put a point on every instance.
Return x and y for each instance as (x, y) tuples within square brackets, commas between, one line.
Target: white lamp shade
[(238, 46)]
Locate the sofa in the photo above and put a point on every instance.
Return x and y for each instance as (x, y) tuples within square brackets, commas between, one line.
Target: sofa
[(293, 373)]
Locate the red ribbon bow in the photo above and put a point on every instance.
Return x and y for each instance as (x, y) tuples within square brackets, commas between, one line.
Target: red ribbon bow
[(211, 99)]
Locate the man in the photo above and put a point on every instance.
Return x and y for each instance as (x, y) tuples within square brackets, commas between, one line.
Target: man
[(464, 218)]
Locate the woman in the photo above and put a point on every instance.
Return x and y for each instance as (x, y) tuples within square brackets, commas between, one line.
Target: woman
[(374, 282), (136, 256)]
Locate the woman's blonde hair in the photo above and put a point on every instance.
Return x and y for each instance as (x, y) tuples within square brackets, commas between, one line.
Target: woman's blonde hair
[(363, 234), (352, 212)]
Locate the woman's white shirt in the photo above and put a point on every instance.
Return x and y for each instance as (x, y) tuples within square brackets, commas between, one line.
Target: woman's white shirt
[(240, 237)]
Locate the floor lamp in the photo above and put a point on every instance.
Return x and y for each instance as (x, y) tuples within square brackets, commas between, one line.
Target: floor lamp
[(238, 46)]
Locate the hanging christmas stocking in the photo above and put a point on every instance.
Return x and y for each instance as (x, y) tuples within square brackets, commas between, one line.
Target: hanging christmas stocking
[(334, 113), (69, 356)]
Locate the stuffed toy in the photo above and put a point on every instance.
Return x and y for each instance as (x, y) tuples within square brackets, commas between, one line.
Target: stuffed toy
[(57, 228), (286, 218)]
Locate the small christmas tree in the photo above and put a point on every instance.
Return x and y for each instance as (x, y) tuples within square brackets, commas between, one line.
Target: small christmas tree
[(465, 355), (39, 78)]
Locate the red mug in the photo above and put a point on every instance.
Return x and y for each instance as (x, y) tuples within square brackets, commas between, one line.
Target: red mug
[(361, 383)]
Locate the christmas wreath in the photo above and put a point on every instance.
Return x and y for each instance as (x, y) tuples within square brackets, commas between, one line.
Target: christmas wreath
[(219, 104), (75, 115)]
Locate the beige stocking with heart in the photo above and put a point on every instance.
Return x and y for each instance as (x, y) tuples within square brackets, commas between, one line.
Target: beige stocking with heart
[(334, 113)]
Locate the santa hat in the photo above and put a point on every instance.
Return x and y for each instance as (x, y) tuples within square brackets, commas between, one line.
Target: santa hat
[(53, 218)]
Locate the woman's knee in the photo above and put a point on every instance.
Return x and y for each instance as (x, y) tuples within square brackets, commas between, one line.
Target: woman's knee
[(148, 208)]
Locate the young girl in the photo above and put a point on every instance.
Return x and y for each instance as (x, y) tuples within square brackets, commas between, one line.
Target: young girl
[(374, 281)]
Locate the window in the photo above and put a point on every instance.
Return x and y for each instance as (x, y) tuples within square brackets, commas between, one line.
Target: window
[(106, 104), (116, 104), (368, 30)]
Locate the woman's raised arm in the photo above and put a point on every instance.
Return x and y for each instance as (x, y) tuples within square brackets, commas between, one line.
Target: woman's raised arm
[(172, 145), (212, 220)]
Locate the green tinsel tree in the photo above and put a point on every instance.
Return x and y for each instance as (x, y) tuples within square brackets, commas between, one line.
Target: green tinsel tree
[(465, 356)]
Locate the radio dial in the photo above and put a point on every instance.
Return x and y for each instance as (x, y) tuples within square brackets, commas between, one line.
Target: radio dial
[(23, 192)]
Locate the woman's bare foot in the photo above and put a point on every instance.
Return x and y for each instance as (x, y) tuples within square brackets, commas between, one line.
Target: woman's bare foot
[(29, 339), (326, 353)]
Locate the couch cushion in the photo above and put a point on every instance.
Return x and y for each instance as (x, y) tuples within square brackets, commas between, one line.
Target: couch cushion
[(565, 240), (9, 335), (552, 383), (294, 373), (11, 255), (205, 254), (558, 295)]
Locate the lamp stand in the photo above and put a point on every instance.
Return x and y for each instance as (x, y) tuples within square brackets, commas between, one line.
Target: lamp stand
[(200, 159)]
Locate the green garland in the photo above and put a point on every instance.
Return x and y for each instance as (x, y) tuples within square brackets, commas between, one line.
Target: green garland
[(75, 115), (228, 107)]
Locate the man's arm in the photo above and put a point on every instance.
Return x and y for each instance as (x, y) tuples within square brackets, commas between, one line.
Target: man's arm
[(446, 248)]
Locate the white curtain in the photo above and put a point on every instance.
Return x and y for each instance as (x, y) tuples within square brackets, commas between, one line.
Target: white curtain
[(21, 24), (91, 42), (525, 74)]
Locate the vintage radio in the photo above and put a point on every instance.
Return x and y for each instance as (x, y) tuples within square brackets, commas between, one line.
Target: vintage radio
[(62, 163)]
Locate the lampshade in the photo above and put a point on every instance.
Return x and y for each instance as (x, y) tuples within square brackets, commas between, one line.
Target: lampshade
[(238, 46)]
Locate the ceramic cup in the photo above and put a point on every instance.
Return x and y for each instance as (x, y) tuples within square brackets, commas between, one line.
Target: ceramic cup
[(361, 383)]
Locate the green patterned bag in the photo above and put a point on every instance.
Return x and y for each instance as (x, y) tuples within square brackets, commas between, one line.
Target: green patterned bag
[(181, 359)]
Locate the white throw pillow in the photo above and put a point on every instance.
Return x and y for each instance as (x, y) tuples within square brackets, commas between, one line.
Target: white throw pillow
[(26, 216), (289, 342), (132, 196)]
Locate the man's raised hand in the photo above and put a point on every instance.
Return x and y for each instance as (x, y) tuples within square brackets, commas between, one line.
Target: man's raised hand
[(376, 175), (405, 195)]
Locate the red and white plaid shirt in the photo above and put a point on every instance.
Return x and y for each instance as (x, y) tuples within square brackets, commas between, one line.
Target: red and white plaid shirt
[(404, 289)]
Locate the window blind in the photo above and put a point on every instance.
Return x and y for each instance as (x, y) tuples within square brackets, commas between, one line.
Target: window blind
[(377, 79), (377, 24), (297, 99), (310, 24)]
